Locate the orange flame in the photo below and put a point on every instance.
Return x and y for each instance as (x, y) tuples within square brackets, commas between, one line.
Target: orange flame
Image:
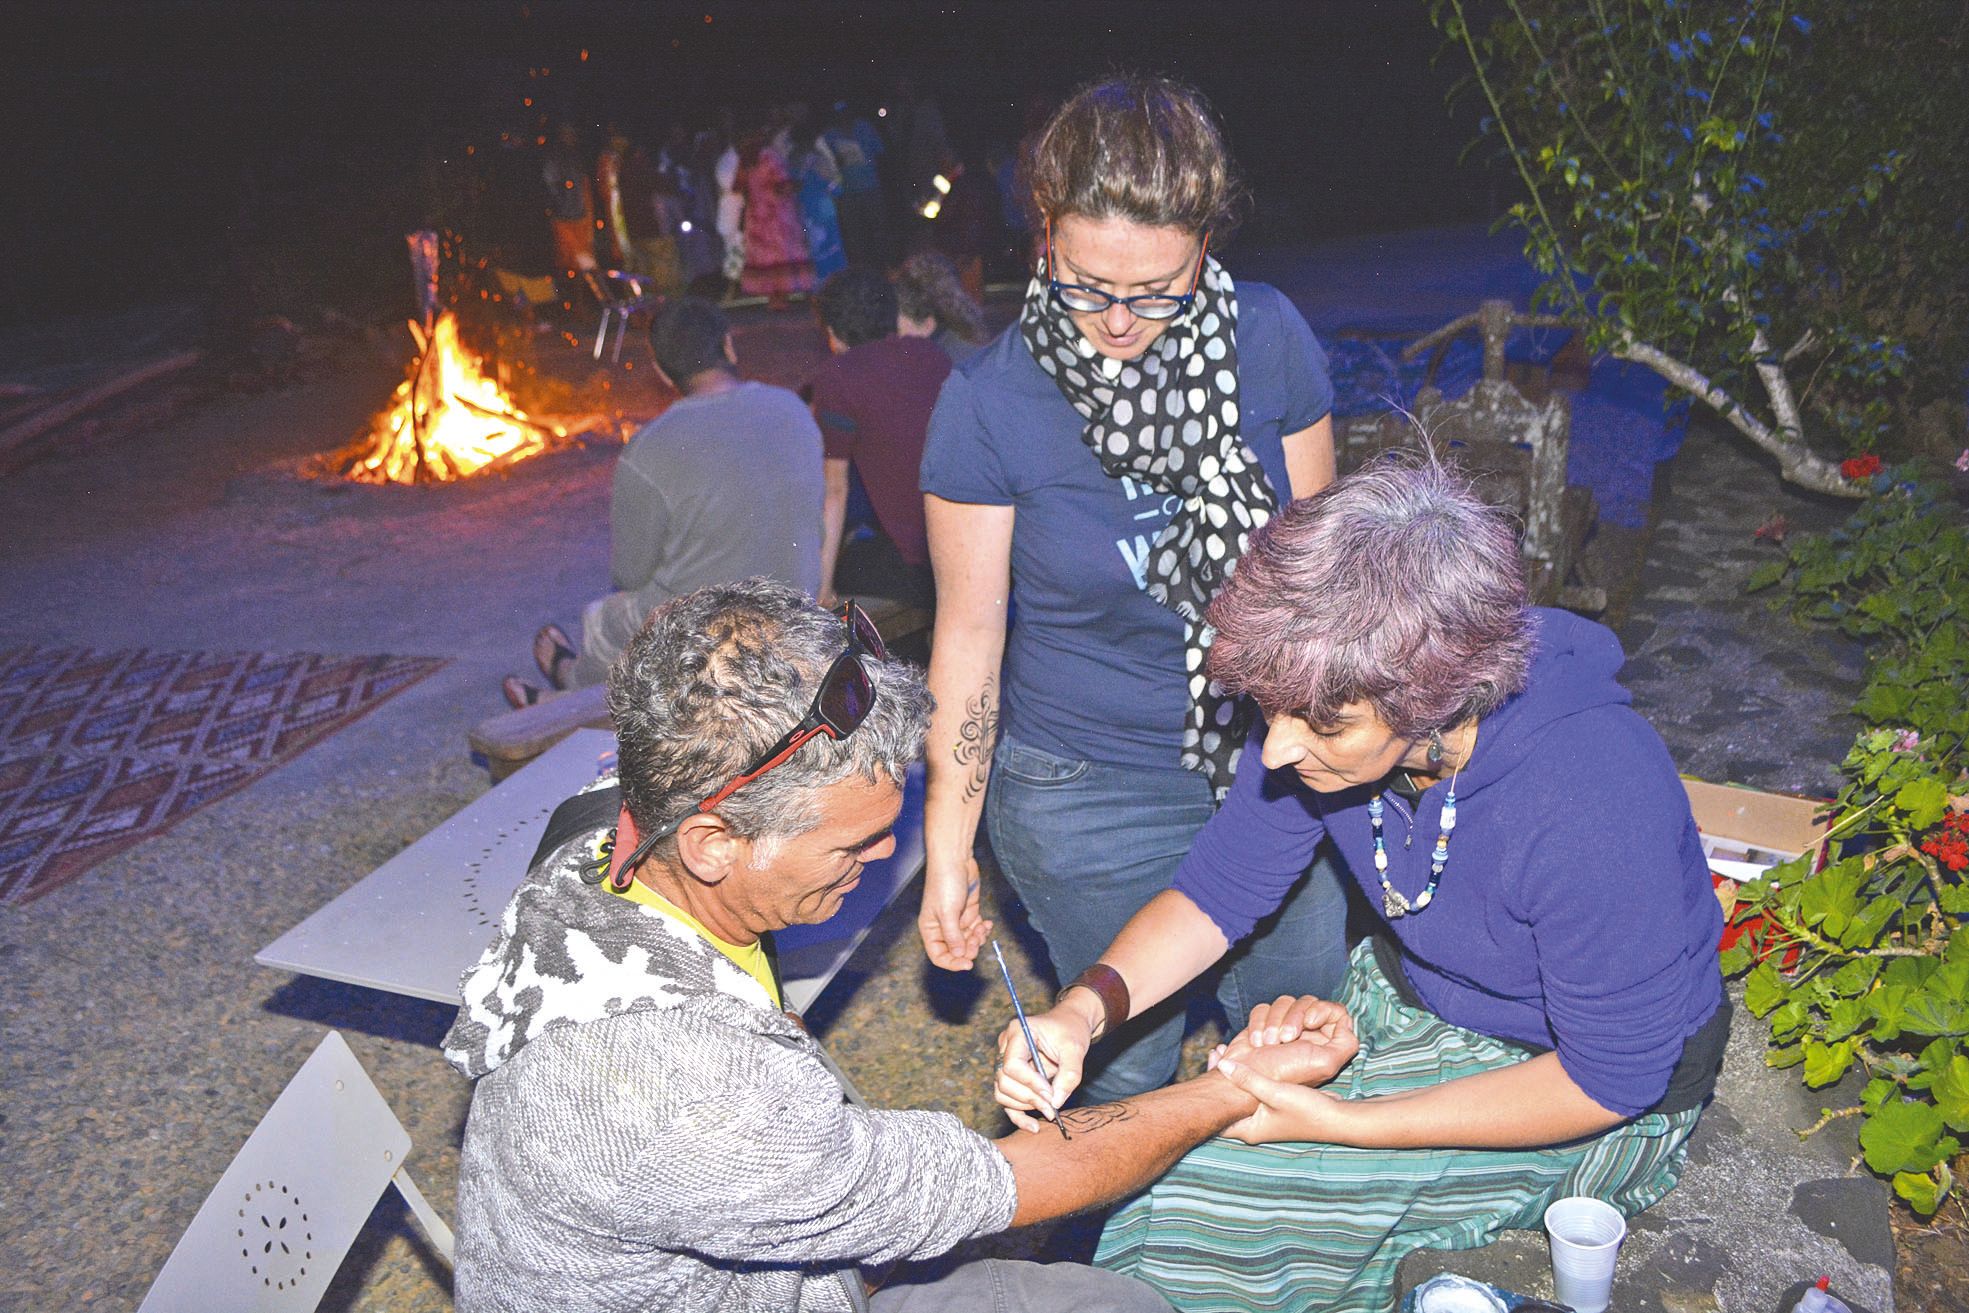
[(448, 420)]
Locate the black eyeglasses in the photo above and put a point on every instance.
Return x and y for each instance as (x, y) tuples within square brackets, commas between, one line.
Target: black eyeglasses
[(1092, 300), (842, 704)]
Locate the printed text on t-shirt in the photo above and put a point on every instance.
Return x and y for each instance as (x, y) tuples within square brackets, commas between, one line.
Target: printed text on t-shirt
[(1155, 507)]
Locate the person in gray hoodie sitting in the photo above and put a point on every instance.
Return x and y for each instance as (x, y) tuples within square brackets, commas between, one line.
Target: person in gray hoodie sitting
[(650, 1130)]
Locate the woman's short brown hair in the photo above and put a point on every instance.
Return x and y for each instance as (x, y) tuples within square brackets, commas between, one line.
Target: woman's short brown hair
[(1145, 149)]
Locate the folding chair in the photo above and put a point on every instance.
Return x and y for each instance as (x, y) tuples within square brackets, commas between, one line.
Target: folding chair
[(525, 293), (620, 296), (281, 1220)]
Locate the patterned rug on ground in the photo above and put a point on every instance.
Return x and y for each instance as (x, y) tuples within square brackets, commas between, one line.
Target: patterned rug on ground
[(102, 749)]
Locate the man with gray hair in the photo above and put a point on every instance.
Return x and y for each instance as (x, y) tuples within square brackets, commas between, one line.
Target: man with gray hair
[(650, 1130)]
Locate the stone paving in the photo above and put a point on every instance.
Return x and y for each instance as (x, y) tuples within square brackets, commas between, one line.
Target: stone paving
[(1740, 692)]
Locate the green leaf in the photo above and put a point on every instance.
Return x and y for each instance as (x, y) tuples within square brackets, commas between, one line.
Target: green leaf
[(1844, 1017), (1930, 1061), (1884, 607), (1831, 897), (1826, 1063), (1951, 978), (1857, 976), (1888, 1004), (1894, 1066), (1815, 992), (1909, 971), (1863, 931), (1924, 801), (1883, 702), (1788, 1019), (1905, 1137), (1765, 575), (1876, 1093), (1933, 1014), (1734, 959), (1922, 1192), (1788, 1056), (1950, 1087), (1763, 989)]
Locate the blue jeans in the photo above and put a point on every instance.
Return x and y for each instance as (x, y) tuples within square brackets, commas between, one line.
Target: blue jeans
[(1085, 845)]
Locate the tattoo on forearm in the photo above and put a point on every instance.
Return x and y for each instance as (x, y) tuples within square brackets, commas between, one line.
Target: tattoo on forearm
[(1095, 1118), (976, 737)]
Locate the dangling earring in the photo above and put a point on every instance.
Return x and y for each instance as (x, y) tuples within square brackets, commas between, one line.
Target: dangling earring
[(1435, 748)]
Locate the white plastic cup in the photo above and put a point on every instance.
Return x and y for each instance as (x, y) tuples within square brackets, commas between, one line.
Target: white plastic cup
[(1585, 1235)]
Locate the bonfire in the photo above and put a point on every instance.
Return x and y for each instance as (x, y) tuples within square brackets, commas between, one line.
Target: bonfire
[(448, 420)]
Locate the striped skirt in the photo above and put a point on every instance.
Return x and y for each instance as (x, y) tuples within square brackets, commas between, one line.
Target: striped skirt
[(1238, 1227)]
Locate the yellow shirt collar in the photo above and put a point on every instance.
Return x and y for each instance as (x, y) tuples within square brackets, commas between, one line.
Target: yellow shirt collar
[(750, 958)]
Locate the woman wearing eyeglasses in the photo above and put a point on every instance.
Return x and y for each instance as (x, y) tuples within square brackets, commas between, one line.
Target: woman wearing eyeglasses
[(1089, 479)]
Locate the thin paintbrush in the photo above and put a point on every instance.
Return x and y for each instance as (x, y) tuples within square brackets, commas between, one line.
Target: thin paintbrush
[(1025, 1026)]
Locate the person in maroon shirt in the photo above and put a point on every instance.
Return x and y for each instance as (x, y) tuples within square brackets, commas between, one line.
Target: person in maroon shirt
[(872, 400)]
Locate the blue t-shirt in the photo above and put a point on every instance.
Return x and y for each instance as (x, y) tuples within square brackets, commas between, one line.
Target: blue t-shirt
[(1094, 665)]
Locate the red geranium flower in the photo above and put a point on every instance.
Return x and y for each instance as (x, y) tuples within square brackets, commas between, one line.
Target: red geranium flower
[(1949, 842), (1860, 467)]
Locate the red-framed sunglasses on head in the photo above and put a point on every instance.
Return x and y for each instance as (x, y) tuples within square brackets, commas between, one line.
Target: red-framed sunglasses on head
[(846, 694)]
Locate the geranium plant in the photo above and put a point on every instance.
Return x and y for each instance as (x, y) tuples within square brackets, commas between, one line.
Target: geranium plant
[(1860, 961)]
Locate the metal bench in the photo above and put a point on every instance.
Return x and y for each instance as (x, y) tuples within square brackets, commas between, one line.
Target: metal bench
[(418, 921), (282, 1218)]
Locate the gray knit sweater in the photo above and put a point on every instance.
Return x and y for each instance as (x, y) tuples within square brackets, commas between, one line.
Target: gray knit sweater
[(648, 1132)]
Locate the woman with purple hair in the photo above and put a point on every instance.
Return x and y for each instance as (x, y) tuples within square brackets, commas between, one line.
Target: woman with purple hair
[(1539, 1011)]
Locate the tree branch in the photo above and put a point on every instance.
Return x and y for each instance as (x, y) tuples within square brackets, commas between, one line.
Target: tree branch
[(1797, 464), (1565, 280), (1791, 430)]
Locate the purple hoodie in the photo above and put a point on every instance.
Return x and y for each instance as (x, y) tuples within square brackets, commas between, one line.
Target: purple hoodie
[(1575, 912)]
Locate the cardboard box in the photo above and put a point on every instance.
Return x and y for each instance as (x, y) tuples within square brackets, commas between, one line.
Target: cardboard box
[(1745, 832), (1750, 819)]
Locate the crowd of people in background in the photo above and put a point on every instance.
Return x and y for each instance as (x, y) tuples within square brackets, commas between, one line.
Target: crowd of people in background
[(889, 232), (772, 204)]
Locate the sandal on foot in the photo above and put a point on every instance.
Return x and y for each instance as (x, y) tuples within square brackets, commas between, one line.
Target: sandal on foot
[(553, 652), (518, 692)]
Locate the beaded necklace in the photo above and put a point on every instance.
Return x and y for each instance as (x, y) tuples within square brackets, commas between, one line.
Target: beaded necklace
[(1394, 905)]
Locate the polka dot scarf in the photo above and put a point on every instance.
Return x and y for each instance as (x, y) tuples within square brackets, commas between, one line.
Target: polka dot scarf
[(1169, 419)]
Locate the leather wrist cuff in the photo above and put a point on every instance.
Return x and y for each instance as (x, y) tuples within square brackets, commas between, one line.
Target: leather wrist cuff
[(1106, 984)]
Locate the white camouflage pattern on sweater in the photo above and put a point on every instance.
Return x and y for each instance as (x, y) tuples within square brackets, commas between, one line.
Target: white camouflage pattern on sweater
[(568, 952)]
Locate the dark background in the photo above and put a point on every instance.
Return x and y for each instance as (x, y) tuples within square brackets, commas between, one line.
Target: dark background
[(155, 151)]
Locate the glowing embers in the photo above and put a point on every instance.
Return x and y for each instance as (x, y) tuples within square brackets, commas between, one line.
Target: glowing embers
[(448, 420)]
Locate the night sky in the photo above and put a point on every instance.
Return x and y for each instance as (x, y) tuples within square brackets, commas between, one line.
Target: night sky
[(153, 148)]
